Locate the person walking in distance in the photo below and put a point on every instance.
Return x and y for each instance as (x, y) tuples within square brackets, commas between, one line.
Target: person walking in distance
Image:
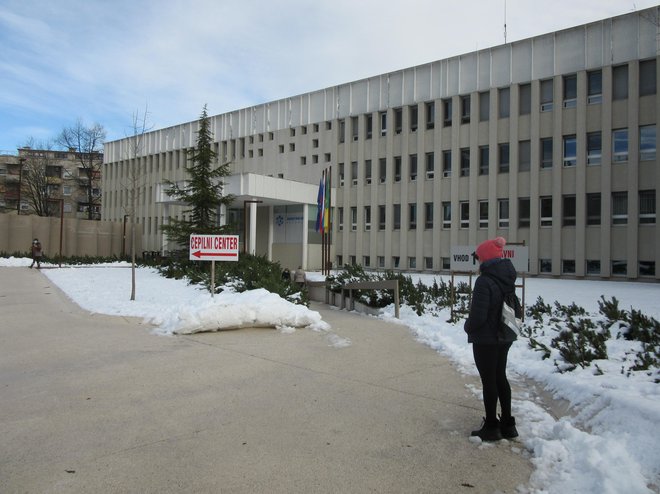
[(299, 276), (36, 253), (497, 278)]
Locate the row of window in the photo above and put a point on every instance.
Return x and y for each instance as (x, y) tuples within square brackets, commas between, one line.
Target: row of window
[(592, 266), (619, 212), (647, 86), (593, 143)]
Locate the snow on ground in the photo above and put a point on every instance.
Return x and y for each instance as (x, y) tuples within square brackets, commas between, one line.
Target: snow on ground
[(607, 443)]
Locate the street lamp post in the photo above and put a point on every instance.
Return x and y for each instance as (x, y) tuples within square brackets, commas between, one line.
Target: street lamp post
[(21, 161)]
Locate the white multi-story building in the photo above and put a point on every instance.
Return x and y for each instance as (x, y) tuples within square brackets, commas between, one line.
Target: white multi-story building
[(550, 141)]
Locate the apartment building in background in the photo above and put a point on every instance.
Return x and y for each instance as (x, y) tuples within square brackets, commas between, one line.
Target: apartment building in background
[(47, 182), (550, 141)]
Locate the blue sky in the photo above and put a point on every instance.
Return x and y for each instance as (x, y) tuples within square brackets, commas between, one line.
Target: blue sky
[(103, 60)]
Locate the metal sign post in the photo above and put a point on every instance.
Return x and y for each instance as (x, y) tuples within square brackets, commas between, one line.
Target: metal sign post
[(213, 248)]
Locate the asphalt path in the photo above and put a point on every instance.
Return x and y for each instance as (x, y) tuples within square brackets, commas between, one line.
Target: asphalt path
[(98, 404)]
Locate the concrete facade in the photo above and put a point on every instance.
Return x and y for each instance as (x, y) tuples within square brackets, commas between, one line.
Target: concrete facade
[(549, 141)]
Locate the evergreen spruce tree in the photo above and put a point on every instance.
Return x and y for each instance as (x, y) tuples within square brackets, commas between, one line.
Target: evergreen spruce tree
[(202, 192)]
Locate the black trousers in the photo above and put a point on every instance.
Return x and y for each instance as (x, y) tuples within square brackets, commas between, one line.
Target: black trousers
[(491, 364)]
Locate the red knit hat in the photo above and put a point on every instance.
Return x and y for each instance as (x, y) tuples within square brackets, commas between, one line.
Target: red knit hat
[(490, 249)]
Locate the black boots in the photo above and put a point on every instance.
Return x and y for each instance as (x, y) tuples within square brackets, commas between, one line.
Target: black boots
[(508, 428), (494, 430), (490, 431)]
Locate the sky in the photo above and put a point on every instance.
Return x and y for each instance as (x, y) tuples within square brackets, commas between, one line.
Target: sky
[(104, 62), (606, 444)]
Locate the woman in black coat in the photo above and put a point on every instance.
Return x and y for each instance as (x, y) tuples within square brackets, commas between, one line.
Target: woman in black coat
[(498, 277)]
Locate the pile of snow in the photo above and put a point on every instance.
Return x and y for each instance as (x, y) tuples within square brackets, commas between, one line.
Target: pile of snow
[(606, 444)]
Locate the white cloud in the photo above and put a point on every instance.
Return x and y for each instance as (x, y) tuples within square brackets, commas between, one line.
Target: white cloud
[(103, 60)]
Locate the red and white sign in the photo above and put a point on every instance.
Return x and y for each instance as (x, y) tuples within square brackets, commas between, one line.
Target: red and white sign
[(213, 247), (463, 258)]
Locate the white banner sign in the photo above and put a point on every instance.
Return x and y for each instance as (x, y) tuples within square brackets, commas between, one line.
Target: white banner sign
[(213, 247), (463, 257)]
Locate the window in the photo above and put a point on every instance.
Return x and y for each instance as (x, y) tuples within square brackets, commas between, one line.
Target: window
[(342, 131), (281, 148), (523, 212), (396, 216), (546, 95), (354, 128), (503, 158), (647, 77), (484, 160), (367, 172), (430, 114), (367, 218), (446, 112), (465, 162), (303, 160), (619, 268), (352, 260), (594, 87), (546, 152), (568, 266), (546, 210), (353, 219), (647, 268), (383, 123), (428, 215), (619, 208), (465, 109), (368, 126), (354, 172), (593, 267), (315, 143), (398, 120), (446, 163), (315, 127), (570, 151), (341, 174), (593, 209), (525, 99), (503, 213), (381, 218), (483, 214), (428, 263), (620, 145), (464, 208), (620, 82), (412, 263), (413, 115), (395, 262), (430, 165), (504, 101), (545, 265), (594, 145), (328, 125), (397, 169), (341, 218), (366, 261), (66, 190), (524, 156), (412, 216), (484, 106), (381, 261), (570, 91), (412, 167), (647, 207), (568, 211), (647, 140), (382, 170), (446, 214)]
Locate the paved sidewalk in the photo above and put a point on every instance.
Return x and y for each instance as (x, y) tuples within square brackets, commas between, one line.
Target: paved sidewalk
[(92, 403)]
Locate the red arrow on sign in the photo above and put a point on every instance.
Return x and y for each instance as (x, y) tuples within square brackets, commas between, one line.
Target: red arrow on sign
[(199, 254)]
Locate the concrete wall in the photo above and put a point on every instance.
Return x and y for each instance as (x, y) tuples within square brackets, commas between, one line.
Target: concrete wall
[(79, 237)]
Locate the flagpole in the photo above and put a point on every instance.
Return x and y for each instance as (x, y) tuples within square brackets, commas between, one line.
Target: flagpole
[(329, 229)]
